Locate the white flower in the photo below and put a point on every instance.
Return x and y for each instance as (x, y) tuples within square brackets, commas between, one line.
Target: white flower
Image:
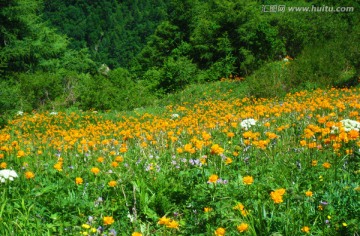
[(334, 130), (7, 174), (350, 125), (53, 113), (174, 116), (246, 124), (20, 113)]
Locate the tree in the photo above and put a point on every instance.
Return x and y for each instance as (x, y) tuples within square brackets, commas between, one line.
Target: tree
[(26, 42)]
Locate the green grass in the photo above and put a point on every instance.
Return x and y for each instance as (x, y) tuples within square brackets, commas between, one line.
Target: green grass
[(162, 164)]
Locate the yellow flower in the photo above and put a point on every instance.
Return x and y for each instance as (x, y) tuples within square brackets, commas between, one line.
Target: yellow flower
[(344, 224), (108, 220), (58, 166), (163, 220), (308, 193), (305, 229), (276, 195), (136, 234), (207, 209), (228, 161), (220, 231), (100, 159), (242, 227), (112, 183), (241, 208), (86, 226), (95, 170), (119, 159), (172, 224), (314, 162), (20, 153), (248, 180), (3, 165), (79, 180), (213, 179), (29, 175), (230, 134)]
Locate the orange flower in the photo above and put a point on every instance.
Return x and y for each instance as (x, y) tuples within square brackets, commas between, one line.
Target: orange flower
[(95, 170), (3, 165), (108, 220), (305, 229), (29, 175), (136, 234), (230, 134), (303, 143), (20, 153), (114, 164), (326, 165), (216, 149), (353, 134), (308, 193), (79, 180), (248, 180), (213, 178), (100, 159), (242, 227), (276, 195), (112, 183), (220, 231), (119, 159)]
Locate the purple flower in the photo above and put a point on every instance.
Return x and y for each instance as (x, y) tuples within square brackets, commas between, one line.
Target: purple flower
[(112, 232), (324, 203), (100, 230)]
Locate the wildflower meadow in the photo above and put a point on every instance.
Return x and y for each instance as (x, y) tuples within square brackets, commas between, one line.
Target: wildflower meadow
[(220, 166)]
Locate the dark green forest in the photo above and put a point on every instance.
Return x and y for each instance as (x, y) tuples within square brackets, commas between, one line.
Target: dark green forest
[(112, 54)]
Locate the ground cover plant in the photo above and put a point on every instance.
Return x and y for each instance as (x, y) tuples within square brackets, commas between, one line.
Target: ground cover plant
[(221, 166)]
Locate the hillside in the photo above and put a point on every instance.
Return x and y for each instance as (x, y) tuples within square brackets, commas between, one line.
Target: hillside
[(214, 164)]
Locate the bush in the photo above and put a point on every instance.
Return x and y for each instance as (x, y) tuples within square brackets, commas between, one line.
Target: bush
[(116, 91), (269, 81), (177, 73), (322, 65)]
